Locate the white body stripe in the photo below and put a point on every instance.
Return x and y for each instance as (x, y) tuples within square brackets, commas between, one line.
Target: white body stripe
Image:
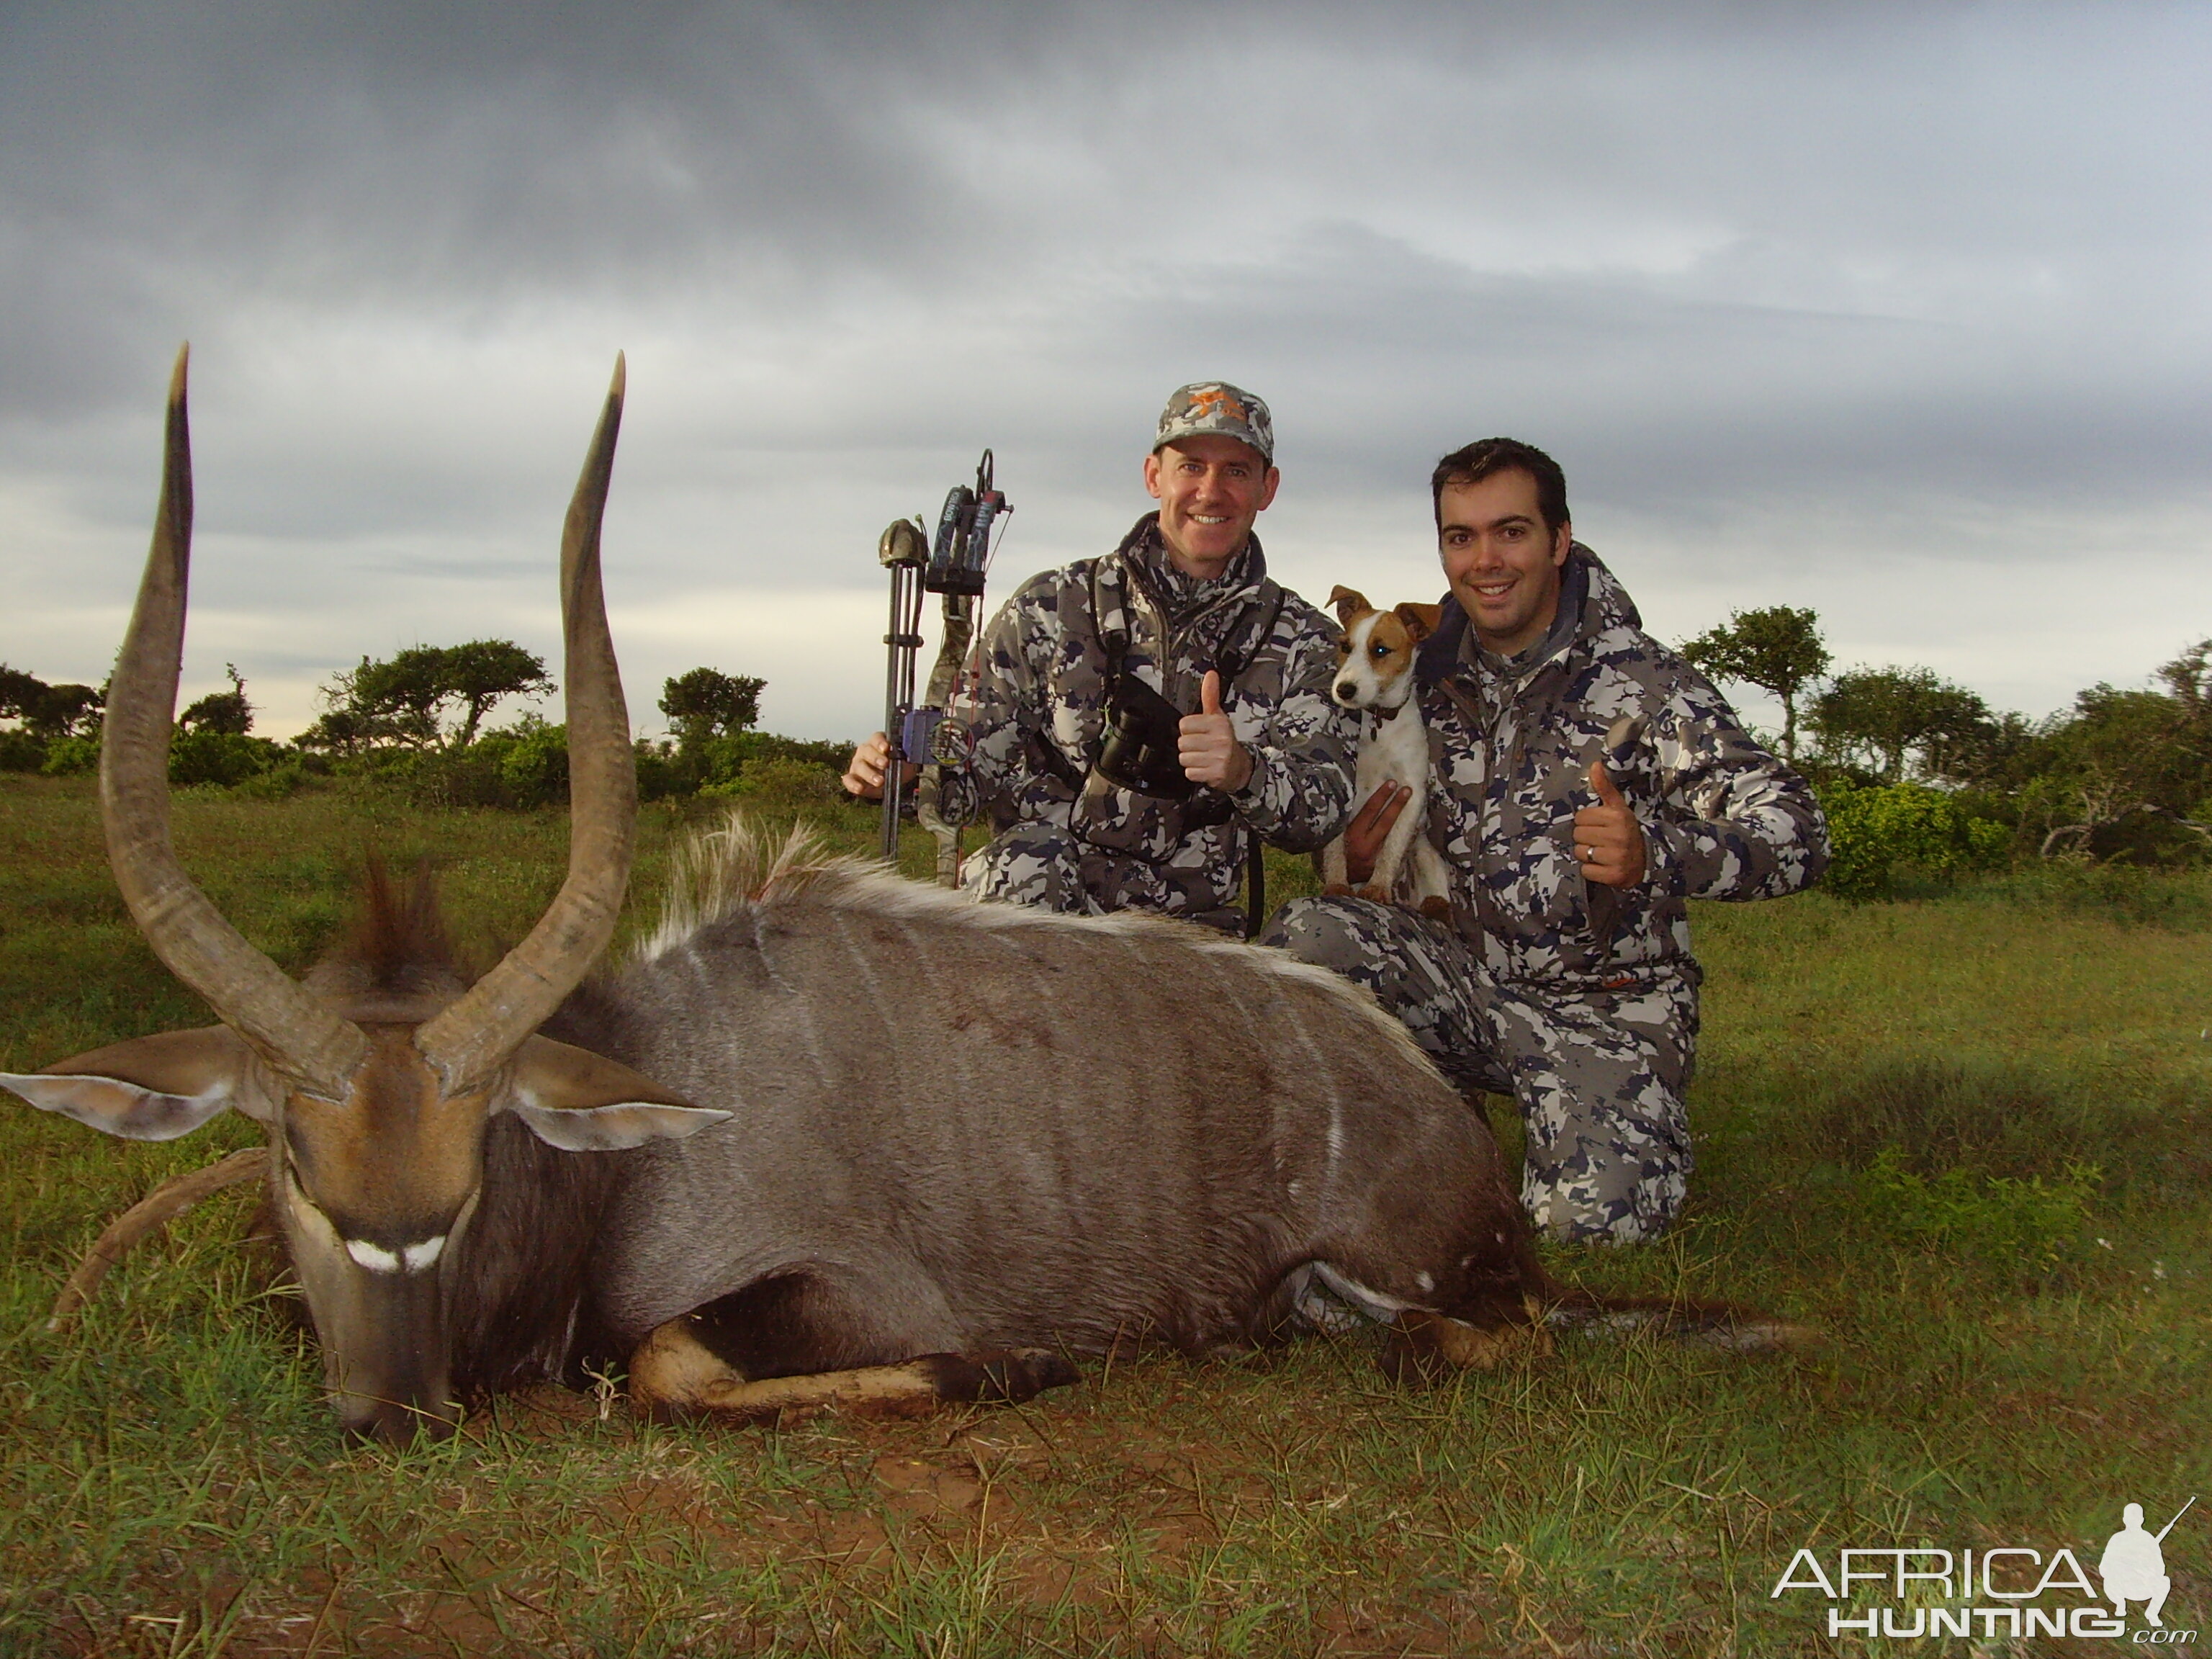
[(1375, 1305)]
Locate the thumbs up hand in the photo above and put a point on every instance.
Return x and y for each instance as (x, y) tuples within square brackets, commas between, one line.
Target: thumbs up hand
[(1608, 841), (1207, 747)]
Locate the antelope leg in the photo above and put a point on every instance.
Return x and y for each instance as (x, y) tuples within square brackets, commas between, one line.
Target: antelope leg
[(673, 1378), (163, 1205)]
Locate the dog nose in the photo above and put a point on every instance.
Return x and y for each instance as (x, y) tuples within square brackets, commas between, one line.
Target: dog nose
[(1345, 690)]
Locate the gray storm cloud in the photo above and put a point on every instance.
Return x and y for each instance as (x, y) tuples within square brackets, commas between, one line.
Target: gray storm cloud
[(1899, 311)]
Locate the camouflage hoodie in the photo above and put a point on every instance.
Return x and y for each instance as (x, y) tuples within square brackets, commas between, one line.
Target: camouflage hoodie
[(1510, 743), (1025, 742)]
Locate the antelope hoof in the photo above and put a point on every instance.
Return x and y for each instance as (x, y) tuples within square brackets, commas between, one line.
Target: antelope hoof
[(1005, 1377)]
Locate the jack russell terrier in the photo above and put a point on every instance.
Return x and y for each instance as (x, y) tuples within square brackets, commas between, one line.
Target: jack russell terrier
[(1374, 673)]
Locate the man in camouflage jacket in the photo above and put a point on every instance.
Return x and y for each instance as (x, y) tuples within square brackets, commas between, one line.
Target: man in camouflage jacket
[(1185, 606), (1585, 781)]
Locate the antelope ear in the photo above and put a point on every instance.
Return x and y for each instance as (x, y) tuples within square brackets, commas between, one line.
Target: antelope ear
[(1347, 603), (153, 1088), (1421, 620), (580, 1101)]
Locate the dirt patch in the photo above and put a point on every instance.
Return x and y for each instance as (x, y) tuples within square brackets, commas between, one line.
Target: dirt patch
[(918, 1486)]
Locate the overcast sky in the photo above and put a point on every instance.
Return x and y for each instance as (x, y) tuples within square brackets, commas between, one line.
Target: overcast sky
[(1897, 312)]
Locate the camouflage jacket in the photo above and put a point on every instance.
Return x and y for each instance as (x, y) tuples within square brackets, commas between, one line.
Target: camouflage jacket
[(1510, 743), (1023, 744)]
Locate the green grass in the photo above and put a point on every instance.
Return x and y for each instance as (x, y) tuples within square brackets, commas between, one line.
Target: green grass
[(1991, 1373)]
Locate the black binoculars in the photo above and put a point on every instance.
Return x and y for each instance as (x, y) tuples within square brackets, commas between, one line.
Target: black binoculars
[(1139, 749)]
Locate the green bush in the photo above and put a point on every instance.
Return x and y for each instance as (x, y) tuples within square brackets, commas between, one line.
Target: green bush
[(227, 758), (533, 761), (780, 783), (430, 777), (20, 751), (725, 760), (658, 774), (525, 765), (70, 758), (767, 745), (1878, 831), (521, 766)]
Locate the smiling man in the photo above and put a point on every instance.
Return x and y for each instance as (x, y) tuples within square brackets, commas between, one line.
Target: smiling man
[(1585, 780), (1140, 718)]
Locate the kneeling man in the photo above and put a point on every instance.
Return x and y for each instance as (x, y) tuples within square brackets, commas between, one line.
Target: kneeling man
[(1585, 780), (1142, 720)]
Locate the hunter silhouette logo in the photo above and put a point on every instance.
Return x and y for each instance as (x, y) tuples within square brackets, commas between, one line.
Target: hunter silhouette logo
[(2006, 1592), (2133, 1566)]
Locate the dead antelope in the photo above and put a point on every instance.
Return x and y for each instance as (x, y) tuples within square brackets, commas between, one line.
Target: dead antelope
[(833, 1136)]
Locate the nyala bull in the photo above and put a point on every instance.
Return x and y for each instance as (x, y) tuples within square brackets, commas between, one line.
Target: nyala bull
[(832, 1137)]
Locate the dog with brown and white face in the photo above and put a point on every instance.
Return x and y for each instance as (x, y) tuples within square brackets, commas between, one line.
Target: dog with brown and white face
[(1374, 673)]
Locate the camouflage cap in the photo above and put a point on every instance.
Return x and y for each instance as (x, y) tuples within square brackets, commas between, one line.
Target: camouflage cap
[(1218, 409)]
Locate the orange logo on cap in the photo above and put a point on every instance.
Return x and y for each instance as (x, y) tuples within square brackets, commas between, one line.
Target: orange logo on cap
[(1205, 405)]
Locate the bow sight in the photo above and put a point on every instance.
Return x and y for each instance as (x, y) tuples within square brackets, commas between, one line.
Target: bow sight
[(954, 566)]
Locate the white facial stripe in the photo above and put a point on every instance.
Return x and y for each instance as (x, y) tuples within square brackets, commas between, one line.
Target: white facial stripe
[(374, 1257), (415, 1258)]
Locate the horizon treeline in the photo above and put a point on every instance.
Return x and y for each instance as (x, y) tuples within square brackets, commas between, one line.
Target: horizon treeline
[(1916, 773), (417, 722)]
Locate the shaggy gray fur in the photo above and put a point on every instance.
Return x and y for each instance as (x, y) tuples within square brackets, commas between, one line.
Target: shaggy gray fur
[(994, 1128)]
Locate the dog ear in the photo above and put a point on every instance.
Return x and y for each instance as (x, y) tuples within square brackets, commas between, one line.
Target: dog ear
[(1347, 603), (1421, 620)]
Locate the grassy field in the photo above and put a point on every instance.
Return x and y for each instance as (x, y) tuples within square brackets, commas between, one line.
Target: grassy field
[(1968, 1136)]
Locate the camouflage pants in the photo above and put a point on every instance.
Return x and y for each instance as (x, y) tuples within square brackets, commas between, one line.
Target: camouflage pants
[(1599, 1074), (1048, 867)]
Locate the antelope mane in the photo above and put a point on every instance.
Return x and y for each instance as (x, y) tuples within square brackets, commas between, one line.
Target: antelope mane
[(738, 868)]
